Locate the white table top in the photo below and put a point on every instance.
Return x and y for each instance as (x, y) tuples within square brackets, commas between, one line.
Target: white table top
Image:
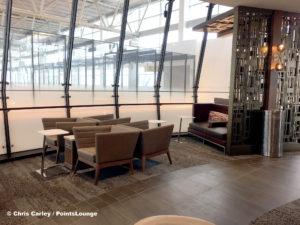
[(52, 132), (70, 137), (157, 121), (187, 117)]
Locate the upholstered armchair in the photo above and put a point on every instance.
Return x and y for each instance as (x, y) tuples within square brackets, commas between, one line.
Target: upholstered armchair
[(101, 117), (68, 126), (144, 124), (107, 149), (55, 142), (154, 142), (115, 121)]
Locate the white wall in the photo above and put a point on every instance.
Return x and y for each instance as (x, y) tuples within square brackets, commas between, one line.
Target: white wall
[(215, 75)]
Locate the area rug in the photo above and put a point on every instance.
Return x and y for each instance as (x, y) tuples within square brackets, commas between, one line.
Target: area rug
[(22, 190), (288, 214)]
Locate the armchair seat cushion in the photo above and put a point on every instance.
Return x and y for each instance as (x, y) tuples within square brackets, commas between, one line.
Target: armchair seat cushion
[(52, 140), (216, 132), (87, 153)]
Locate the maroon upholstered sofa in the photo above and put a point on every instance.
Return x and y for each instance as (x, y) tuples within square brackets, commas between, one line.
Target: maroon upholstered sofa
[(201, 127)]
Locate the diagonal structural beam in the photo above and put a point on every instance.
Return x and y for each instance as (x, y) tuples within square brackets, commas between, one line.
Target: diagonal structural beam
[(69, 55), (4, 74), (144, 14), (120, 56), (201, 56), (99, 13), (162, 56), (115, 13)]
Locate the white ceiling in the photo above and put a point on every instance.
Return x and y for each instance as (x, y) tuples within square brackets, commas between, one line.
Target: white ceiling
[(284, 5)]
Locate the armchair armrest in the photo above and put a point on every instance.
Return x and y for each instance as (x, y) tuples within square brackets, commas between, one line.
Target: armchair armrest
[(201, 111)]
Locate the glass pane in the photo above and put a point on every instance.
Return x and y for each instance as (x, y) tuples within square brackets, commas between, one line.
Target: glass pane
[(36, 69), (172, 113), (92, 72), (2, 135), (138, 113), (92, 111), (24, 127)]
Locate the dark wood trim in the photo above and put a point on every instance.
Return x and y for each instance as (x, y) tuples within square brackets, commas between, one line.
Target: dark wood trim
[(270, 96)]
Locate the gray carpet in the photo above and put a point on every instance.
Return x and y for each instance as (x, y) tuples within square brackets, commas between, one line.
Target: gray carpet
[(288, 214), (21, 189)]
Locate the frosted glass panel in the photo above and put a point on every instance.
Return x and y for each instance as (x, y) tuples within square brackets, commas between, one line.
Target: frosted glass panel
[(38, 98), (2, 135), (81, 98), (172, 113), (136, 97), (92, 111), (209, 97), (24, 127), (138, 113), (176, 97), (103, 97), (90, 98)]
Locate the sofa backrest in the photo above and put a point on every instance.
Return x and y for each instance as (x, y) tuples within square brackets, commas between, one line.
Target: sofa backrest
[(201, 110), (220, 108)]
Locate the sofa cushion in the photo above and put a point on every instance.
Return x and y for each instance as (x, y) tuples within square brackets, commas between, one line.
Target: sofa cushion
[(52, 140), (217, 117), (216, 132), (87, 153)]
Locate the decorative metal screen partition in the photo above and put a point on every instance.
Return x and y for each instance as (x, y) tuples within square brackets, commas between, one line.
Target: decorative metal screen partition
[(288, 93), (251, 34)]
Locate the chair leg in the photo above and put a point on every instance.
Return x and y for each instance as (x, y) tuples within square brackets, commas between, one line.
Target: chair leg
[(131, 167), (169, 156), (57, 155), (97, 173), (143, 163), (75, 168)]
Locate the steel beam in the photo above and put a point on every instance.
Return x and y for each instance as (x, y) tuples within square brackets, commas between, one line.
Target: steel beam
[(162, 56), (4, 74), (201, 56), (93, 67), (120, 56), (32, 63), (69, 55)]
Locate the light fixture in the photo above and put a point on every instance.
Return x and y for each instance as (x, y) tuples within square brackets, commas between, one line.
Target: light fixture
[(279, 66), (280, 47), (264, 50)]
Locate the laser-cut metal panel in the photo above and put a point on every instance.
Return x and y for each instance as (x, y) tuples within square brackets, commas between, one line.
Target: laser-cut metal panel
[(288, 93), (251, 68)]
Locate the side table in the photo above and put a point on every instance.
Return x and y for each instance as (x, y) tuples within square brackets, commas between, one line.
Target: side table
[(180, 124), (70, 152), (45, 133)]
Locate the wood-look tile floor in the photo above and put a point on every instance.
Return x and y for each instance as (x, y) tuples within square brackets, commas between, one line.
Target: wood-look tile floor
[(225, 193)]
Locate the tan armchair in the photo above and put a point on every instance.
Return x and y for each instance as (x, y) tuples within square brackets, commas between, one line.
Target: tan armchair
[(101, 117), (107, 149), (144, 124), (154, 142), (55, 142), (68, 126), (115, 121)]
